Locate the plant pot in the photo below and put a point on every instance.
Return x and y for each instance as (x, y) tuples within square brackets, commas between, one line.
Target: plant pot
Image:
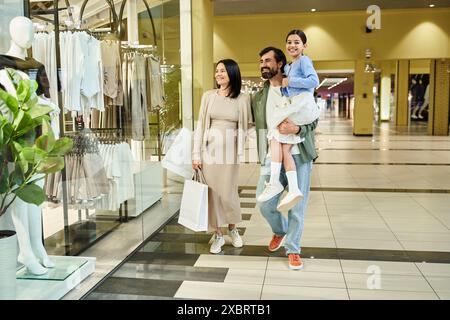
[(8, 264)]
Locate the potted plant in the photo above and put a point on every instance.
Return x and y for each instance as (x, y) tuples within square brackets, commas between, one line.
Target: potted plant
[(28, 152)]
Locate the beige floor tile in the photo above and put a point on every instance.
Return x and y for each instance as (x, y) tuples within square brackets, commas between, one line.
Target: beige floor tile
[(239, 262), (439, 284), (368, 244), (442, 246), (318, 242), (356, 294), (218, 291), (423, 236), (361, 234), (243, 276), (443, 295), (272, 292), (383, 267), (417, 227), (310, 265), (434, 269), (298, 278), (375, 281)]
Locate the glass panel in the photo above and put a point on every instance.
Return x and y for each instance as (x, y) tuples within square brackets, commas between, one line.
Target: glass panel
[(9, 9), (64, 267)]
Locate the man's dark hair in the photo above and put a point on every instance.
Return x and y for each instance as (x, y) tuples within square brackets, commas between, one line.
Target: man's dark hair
[(298, 32), (278, 53), (235, 77)]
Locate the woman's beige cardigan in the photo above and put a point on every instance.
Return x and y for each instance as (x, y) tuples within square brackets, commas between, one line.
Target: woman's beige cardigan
[(200, 136)]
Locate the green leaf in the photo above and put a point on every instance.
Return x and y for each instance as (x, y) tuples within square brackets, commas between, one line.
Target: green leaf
[(28, 154), (31, 102), (18, 147), (17, 176), (33, 155), (10, 101), (62, 146), (31, 193), (17, 151), (45, 142), (39, 111), (33, 87), (23, 91), (47, 129), (22, 124), (51, 165), (5, 132)]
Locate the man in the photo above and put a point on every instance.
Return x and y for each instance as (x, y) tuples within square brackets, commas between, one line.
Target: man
[(272, 61)]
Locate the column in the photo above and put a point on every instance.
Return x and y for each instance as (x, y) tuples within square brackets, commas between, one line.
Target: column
[(438, 115), (401, 93), (202, 49), (132, 22), (363, 109), (186, 63), (385, 92)]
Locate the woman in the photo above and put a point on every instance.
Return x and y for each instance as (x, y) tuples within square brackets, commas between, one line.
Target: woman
[(218, 142)]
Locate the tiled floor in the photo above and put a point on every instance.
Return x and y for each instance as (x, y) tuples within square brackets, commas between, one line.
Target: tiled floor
[(377, 227)]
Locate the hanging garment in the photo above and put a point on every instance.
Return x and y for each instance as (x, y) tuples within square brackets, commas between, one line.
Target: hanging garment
[(156, 83), (138, 98)]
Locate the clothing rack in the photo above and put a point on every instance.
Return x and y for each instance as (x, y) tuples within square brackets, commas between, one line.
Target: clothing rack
[(112, 136), (142, 48)]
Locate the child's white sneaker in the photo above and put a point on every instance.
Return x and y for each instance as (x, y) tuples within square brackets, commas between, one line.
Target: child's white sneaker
[(270, 191), (290, 200)]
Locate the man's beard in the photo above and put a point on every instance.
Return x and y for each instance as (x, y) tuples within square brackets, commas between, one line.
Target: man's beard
[(268, 74)]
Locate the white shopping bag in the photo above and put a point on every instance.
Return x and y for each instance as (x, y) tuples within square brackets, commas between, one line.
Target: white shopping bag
[(178, 158), (194, 204)]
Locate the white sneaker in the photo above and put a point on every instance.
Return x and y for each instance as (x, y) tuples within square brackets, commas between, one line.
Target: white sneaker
[(217, 244), (270, 191), (290, 200), (414, 116), (420, 117), (236, 239)]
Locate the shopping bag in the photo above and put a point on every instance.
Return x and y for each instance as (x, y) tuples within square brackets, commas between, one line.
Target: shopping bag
[(178, 158), (194, 203)]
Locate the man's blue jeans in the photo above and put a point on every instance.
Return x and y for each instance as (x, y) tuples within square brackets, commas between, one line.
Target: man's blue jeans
[(293, 226)]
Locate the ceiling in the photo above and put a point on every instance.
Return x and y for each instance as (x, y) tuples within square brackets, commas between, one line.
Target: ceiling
[(242, 7)]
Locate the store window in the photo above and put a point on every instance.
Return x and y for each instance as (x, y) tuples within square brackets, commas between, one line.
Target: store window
[(119, 101), (9, 9)]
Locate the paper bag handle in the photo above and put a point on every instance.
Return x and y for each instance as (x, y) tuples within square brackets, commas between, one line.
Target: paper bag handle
[(198, 176)]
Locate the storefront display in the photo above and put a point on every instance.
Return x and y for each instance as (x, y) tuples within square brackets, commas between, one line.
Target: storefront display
[(109, 96)]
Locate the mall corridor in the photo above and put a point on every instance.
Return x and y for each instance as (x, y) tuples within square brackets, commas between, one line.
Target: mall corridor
[(377, 227)]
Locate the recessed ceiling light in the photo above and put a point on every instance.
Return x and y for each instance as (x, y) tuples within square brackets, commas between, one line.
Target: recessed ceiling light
[(431, 5), (313, 10)]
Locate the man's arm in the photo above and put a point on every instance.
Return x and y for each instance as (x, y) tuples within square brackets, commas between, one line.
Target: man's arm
[(289, 127)]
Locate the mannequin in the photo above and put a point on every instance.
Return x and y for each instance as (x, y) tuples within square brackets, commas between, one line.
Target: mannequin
[(27, 218), (21, 30)]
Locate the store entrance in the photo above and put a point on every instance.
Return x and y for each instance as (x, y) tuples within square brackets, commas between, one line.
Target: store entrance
[(335, 94)]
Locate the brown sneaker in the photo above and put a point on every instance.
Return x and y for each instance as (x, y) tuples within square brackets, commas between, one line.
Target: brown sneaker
[(276, 242), (295, 262)]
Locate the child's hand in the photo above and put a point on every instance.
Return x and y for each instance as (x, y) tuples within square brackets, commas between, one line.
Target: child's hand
[(285, 82)]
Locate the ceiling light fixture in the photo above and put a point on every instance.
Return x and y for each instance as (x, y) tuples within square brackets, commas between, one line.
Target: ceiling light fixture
[(313, 10), (336, 84), (431, 5)]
